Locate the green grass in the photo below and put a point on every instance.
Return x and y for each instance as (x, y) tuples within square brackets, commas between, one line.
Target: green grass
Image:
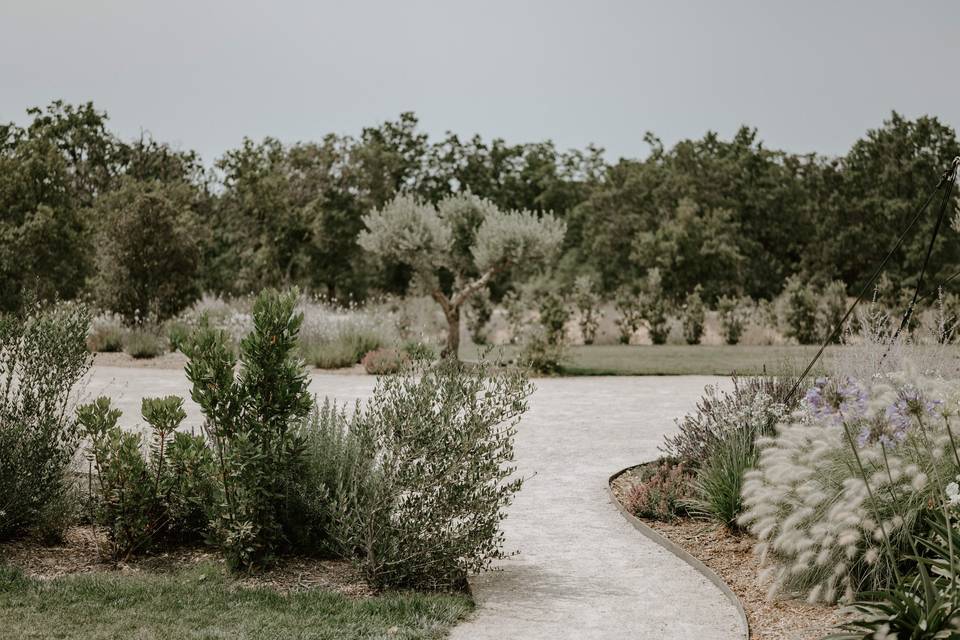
[(647, 360), (204, 603)]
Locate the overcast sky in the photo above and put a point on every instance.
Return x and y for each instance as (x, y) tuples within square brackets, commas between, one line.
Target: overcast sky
[(810, 75)]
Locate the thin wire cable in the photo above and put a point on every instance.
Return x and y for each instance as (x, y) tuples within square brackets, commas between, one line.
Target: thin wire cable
[(949, 174), (926, 260)]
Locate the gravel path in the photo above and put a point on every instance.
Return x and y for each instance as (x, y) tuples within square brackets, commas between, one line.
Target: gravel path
[(582, 571)]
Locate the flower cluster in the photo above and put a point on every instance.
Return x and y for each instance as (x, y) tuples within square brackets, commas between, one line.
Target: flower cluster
[(829, 516), (836, 400)]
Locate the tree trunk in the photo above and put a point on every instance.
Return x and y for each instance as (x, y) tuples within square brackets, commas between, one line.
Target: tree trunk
[(452, 350)]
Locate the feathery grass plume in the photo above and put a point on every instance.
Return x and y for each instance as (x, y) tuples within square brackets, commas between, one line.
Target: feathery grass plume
[(840, 489)]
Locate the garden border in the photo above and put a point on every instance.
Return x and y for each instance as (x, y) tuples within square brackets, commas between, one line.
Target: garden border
[(678, 551)]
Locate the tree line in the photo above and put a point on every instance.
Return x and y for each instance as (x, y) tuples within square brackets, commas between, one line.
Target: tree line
[(143, 227)]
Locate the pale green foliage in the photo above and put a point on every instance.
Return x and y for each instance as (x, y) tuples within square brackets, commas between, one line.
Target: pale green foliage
[(144, 343), (338, 474), (799, 311), (464, 233), (540, 354), (732, 319), (587, 301), (436, 446), (653, 307), (694, 314), (409, 232), (465, 236), (519, 238), (628, 307), (43, 356)]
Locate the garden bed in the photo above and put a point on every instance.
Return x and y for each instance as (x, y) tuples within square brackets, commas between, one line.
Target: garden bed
[(731, 557)]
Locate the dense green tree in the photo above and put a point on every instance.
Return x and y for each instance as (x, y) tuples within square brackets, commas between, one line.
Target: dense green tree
[(881, 182), (148, 258), (50, 171), (694, 248)]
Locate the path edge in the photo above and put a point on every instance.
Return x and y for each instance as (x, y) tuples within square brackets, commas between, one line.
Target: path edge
[(679, 552)]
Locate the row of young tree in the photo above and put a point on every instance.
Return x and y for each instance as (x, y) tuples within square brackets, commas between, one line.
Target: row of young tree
[(145, 227)]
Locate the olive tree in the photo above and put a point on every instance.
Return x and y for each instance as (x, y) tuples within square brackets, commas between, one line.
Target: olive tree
[(455, 249)]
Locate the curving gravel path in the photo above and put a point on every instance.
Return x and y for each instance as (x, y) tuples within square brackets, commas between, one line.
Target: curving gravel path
[(583, 572)]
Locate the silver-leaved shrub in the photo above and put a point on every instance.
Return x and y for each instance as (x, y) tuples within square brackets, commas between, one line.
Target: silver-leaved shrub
[(435, 446)]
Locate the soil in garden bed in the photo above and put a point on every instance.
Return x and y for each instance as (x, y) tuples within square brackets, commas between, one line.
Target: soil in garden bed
[(731, 557), (84, 551)]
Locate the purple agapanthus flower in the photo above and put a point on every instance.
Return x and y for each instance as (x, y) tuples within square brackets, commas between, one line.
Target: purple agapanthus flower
[(881, 429), (836, 400), (909, 407)]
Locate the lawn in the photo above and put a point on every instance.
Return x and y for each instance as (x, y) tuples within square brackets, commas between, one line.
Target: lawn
[(646, 360), (203, 602)]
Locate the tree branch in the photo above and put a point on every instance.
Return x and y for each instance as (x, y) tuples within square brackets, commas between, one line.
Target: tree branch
[(471, 288)]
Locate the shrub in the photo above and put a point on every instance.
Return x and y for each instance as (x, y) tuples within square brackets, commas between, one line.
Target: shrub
[(439, 440), (143, 343), (148, 251), (384, 361), (540, 355), (830, 309), (694, 314), (587, 302), (554, 315), (178, 334), (731, 319), (141, 499), (252, 420), (628, 307), (106, 335), (661, 493), (754, 405), (653, 307), (43, 355), (799, 311), (338, 474), (345, 347), (417, 350), (840, 492), (922, 603)]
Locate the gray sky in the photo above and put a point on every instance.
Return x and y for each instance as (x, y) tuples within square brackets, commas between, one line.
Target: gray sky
[(810, 75)]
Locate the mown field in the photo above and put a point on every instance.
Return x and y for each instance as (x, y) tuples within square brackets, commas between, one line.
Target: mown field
[(665, 360)]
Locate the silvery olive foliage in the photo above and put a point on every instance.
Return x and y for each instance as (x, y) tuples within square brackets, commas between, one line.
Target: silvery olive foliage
[(435, 444), (465, 239), (43, 357)]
